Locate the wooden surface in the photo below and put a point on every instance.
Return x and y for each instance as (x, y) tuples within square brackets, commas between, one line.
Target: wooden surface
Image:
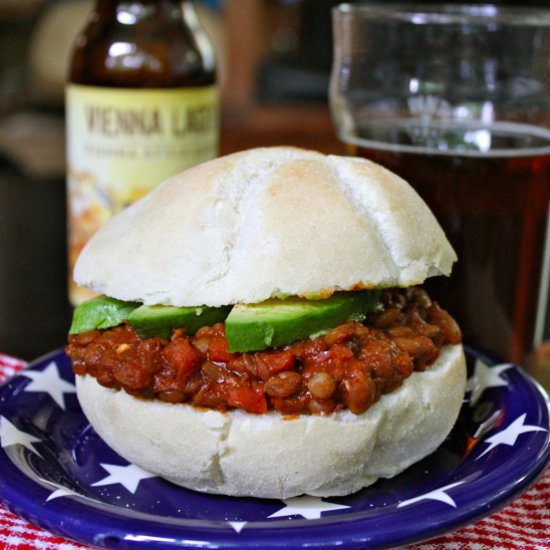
[(308, 126)]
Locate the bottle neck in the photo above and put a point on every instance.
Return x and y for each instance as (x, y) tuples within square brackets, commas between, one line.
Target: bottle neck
[(143, 43), (138, 7)]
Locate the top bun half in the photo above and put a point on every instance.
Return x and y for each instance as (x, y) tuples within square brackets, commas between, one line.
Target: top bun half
[(262, 223)]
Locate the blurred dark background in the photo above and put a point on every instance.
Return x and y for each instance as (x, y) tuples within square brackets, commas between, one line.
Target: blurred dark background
[(274, 64)]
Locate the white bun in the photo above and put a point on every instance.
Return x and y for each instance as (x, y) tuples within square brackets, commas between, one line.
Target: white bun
[(242, 454), (264, 222)]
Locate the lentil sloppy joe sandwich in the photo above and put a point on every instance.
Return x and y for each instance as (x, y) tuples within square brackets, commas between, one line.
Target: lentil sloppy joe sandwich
[(261, 330)]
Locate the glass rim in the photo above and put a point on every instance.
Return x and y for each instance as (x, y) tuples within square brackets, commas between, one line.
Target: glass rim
[(449, 13)]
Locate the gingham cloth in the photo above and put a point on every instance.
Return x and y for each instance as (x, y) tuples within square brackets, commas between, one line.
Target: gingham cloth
[(525, 523)]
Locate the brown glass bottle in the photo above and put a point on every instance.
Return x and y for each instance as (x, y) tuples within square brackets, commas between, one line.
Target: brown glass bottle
[(142, 105), (165, 46)]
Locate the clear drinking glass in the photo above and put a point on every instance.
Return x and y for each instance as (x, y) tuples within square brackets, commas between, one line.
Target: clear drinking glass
[(456, 100)]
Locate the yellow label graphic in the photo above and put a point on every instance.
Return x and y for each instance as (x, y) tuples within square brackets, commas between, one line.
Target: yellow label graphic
[(123, 142)]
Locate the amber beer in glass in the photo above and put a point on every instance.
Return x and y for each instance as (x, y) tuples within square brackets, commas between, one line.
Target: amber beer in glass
[(456, 100)]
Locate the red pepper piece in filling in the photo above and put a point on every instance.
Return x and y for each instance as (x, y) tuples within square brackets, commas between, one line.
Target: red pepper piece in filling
[(218, 351), (251, 398), (183, 357)]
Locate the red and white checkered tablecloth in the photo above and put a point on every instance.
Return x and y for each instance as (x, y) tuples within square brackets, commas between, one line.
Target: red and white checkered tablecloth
[(524, 523)]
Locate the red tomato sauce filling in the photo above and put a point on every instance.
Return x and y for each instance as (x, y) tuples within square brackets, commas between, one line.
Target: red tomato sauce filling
[(350, 367)]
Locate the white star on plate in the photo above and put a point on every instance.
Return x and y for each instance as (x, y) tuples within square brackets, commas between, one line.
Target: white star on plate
[(485, 377), (48, 381), (10, 435), (510, 435), (237, 525), (128, 476), (306, 506), (61, 492), (438, 494)]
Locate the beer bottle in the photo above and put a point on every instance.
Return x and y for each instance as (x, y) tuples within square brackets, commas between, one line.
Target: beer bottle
[(141, 105)]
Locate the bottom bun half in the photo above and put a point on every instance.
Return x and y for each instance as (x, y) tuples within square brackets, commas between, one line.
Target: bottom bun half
[(270, 456)]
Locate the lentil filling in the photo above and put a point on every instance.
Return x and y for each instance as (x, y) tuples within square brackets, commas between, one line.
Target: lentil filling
[(349, 367)]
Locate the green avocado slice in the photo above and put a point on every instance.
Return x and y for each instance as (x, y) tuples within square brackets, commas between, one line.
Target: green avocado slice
[(151, 321), (100, 313), (278, 322)]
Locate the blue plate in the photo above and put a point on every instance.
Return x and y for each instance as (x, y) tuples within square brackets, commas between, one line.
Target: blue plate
[(56, 472)]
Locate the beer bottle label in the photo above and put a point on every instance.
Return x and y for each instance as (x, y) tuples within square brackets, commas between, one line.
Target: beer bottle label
[(122, 142)]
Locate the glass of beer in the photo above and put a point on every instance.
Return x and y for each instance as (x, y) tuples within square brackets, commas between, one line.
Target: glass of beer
[(456, 100)]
